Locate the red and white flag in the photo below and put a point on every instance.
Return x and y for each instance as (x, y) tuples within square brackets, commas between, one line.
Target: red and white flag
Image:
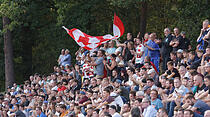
[(90, 42), (118, 27)]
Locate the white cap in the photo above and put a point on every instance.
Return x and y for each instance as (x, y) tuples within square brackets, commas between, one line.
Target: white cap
[(151, 71), (180, 50)]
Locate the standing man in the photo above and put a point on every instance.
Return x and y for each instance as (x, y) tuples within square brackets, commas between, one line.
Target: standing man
[(166, 48), (202, 43), (154, 50), (99, 70), (66, 59), (139, 54)]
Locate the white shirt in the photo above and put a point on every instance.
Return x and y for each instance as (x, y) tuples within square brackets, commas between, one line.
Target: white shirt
[(150, 111), (138, 58), (116, 115)]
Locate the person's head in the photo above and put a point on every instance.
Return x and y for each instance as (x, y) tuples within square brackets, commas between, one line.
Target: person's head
[(169, 83), (162, 112), (111, 44), (137, 102), (106, 92), (180, 112), (191, 55), (138, 41), (207, 80), (140, 94), (182, 70), (101, 53), (129, 36), (208, 50), (130, 71), (14, 101), (38, 110), (173, 56), (62, 108), (190, 100), (126, 107), (177, 82), (205, 24), (63, 51), (147, 65), (145, 103), (114, 73), (153, 94), (113, 57), (89, 111), (89, 93), (152, 36), (185, 81), (112, 109), (199, 53), (77, 109), (130, 45), (66, 51), (188, 113), (132, 95), (135, 112), (151, 73), (170, 65), (117, 83), (207, 113), (16, 107), (183, 34), (150, 82), (95, 113), (207, 68), (93, 82), (105, 81), (167, 31), (198, 80), (176, 31)]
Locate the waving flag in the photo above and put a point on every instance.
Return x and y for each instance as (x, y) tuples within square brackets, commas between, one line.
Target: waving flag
[(90, 42), (118, 27)]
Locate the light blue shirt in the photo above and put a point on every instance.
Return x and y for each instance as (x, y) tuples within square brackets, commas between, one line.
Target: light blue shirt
[(157, 103), (150, 111)]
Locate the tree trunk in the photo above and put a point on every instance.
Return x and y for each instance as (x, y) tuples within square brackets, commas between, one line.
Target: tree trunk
[(143, 20), (8, 53)]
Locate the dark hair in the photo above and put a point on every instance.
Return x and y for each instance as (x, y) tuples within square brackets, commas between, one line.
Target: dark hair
[(107, 114), (102, 51), (135, 112), (107, 90), (133, 93), (200, 75), (139, 100), (164, 110), (191, 112), (173, 53), (113, 55), (155, 91), (192, 52), (207, 77), (190, 97), (150, 79), (171, 81), (63, 106), (90, 91), (170, 63)]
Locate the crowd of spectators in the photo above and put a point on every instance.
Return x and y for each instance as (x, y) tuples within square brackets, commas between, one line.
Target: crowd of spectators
[(121, 80)]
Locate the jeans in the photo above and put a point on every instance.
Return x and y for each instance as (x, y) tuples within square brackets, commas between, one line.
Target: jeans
[(170, 108), (156, 61)]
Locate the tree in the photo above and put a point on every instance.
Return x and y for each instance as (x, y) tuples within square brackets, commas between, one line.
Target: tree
[(8, 51)]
